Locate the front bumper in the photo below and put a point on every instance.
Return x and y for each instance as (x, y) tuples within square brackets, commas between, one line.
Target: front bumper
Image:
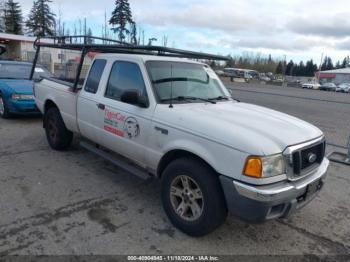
[(23, 107), (257, 204)]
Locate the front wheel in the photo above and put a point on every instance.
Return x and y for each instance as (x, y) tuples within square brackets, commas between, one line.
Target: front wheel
[(192, 197), (58, 136)]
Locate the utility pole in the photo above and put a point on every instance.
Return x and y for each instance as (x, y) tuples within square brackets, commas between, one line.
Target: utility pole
[(320, 68), (105, 36)]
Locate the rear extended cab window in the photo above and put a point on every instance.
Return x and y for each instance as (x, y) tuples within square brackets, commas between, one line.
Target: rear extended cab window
[(94, 78)]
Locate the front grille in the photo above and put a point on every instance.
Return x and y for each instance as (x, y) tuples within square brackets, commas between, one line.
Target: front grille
[(301, 158)]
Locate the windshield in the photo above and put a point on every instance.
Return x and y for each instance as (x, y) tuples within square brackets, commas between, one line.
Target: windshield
[(185, 79), (19, 71)]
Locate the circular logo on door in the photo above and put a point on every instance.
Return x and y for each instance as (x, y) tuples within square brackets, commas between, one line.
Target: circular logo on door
[(131, 127)]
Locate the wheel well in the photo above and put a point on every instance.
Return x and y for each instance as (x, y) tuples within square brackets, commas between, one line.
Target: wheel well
[(175, 154), (49, 104)]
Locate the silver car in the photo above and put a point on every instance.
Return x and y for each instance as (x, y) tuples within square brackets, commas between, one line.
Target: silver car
[(344, 88), (328, 87)]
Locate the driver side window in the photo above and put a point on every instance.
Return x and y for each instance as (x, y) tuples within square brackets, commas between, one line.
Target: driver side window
[(124, 76)]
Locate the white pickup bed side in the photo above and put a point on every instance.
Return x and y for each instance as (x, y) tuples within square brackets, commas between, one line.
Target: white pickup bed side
[(62, 96)]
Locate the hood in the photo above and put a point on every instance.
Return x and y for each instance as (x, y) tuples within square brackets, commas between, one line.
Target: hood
[(249, 128), (19, 86)]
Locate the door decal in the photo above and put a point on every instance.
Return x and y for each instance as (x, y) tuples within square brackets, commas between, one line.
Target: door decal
[(131, 127), (121, 125)]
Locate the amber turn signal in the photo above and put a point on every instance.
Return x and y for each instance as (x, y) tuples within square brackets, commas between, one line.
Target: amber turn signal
[(253, 167)]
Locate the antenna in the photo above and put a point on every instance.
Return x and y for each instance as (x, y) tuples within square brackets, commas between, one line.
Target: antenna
[(171, 87)]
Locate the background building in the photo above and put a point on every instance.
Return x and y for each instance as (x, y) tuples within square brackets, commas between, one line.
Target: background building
[(61, 63), (337, 76)]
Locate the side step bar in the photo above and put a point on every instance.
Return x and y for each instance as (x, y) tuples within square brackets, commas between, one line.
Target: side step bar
[(119, 162)]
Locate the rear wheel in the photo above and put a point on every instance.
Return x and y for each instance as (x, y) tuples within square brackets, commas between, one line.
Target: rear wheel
[(4, 111), (192, 197), (58, 136)]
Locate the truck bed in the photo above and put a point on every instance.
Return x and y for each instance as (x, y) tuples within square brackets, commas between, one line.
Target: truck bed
[(49, 90)]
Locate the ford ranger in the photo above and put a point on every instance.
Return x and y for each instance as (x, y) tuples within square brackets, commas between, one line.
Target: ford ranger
[(175, 120)]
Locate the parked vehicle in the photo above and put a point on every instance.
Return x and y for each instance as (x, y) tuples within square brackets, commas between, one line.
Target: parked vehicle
[(344, 88), (176, 121), (311, 85), (328, 87), (220, 72), (16, 90), (265, 78)]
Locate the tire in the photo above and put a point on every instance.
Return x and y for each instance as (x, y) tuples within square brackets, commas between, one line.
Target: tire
[(212, 206), (58, 136), (4, 111)]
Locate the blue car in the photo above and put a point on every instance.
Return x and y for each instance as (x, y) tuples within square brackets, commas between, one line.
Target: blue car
[(16, 91)]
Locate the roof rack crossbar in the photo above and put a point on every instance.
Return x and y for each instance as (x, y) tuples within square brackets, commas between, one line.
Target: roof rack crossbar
[(114, 46), (86, 44)]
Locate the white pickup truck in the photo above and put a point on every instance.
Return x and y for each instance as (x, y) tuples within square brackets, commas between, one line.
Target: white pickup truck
[(175, 120)]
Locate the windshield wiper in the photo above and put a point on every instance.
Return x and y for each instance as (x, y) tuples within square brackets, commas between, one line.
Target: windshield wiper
[(188, 98), (219, 98)]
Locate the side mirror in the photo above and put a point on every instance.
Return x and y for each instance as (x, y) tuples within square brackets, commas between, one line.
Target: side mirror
[(133, 97)]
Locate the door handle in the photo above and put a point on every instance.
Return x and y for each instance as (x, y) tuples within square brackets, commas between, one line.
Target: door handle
[(101, 106), (162, 130)]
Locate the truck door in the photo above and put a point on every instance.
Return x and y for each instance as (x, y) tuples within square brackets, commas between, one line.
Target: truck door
[(87, 105), (124, 128)]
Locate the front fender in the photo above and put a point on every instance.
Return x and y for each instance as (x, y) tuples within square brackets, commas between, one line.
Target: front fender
[(224, 160)]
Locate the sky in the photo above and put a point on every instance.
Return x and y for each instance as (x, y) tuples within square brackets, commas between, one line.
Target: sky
[(295, 29)]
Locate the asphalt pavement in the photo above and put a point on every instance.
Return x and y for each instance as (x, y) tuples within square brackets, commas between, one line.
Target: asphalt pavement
[(74, 203)]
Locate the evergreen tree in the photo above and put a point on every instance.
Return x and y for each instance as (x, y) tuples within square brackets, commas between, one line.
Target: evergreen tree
[(329, 64), (345, 63), (89, 35), (290, 66), (13, 18), (279, 68), (121, 17), (41, 21), (133, 33), (2, 14), (231, 62), (338, 65), (310, 68), (324, 64), (270, 59)]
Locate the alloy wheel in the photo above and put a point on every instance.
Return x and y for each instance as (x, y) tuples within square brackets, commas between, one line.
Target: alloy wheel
[(186, 198), (52, 129)]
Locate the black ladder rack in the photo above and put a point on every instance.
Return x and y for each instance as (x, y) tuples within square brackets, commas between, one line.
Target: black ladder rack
[(87, 44)]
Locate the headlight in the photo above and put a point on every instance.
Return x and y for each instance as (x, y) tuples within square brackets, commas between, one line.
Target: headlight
[(262, 167), (22, 97)]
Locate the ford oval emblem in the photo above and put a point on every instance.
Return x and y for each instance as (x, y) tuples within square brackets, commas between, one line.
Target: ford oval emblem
[(312, 158)]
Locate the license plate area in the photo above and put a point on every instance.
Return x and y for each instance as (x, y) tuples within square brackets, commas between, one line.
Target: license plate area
[(311, 190)]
